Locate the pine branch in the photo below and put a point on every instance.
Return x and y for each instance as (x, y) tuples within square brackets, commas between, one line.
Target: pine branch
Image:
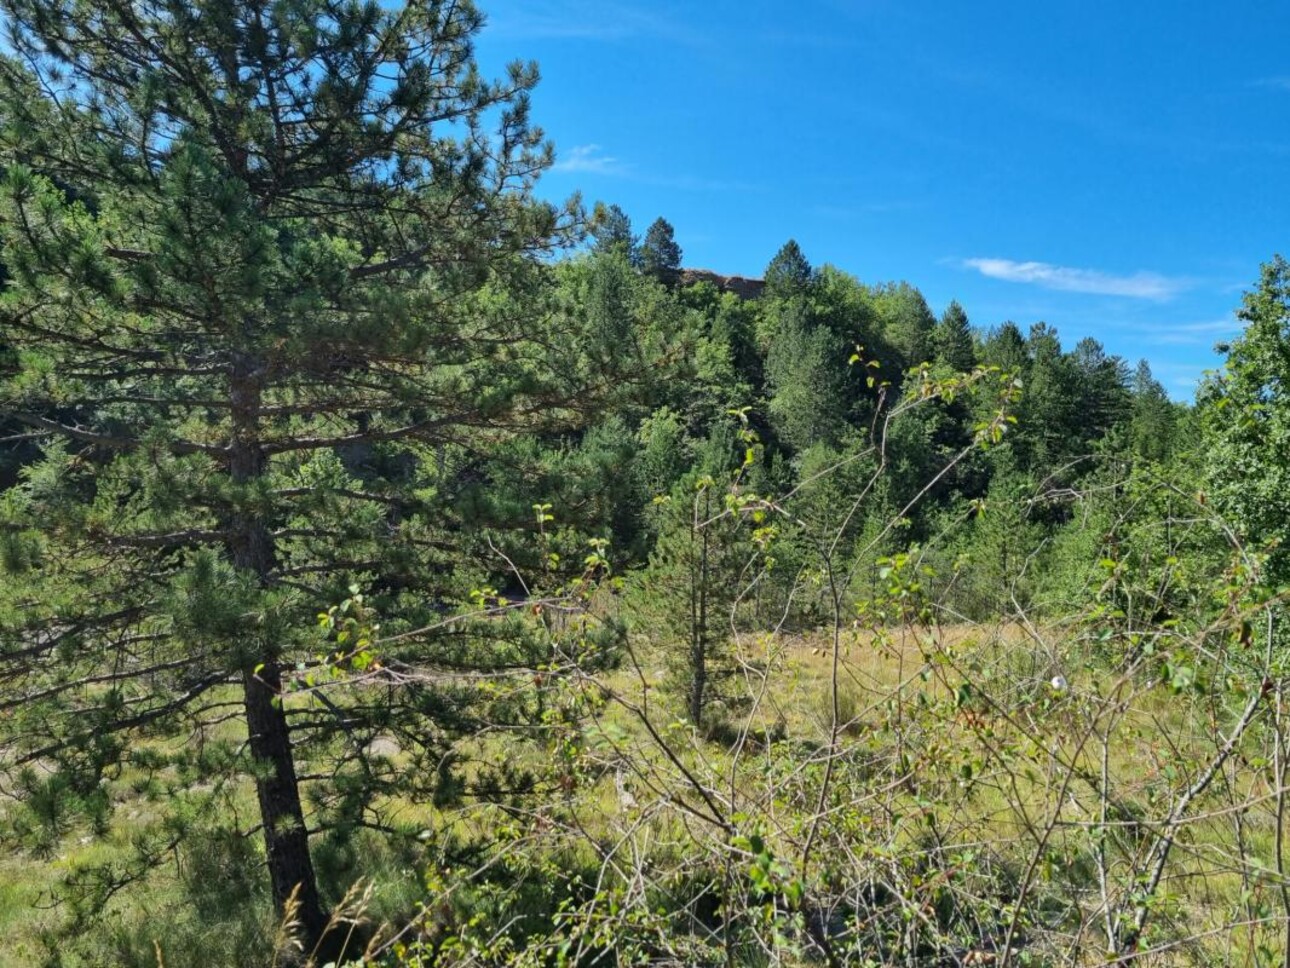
[(110, 441), (96, 680), (133, 722)]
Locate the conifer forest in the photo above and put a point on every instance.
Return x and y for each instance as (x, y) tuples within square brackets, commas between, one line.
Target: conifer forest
[(401, 568)]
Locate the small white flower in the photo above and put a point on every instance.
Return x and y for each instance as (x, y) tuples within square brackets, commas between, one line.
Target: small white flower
[(1059, 683)]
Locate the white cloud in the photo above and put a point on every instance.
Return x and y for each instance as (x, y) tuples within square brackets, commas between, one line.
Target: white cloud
[(589, 159), (1225, 325), (1193, 334), (1140, 285), (1280, 83)]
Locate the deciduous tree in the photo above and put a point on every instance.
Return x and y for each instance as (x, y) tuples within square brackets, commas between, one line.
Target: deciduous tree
[(1246, 420)]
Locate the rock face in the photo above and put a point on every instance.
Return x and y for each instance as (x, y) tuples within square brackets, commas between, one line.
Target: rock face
[(740, 286)]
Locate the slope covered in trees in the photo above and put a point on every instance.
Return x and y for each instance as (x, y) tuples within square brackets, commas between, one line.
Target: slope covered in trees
[(364, 515)]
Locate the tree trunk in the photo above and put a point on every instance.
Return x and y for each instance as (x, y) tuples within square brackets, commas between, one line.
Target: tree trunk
[(286, 841), (277, 787)]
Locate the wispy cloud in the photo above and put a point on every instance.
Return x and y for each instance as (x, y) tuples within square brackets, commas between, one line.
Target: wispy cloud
[(1193, 334), (1139, 285), (589, 160), (1280, 82)]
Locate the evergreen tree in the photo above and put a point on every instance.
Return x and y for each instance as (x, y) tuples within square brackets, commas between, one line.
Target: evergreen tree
[(840, 302), (702, 565), (808, 331), (993, 580), (610, 304), (284, 289), (788, 273), (664, 454), (952, 340), (1104, 398), (1050, 424), (1152, 426), (612, 231), (807, 371), (728, 369), (1005, 347), (660, 256), (907, 324)]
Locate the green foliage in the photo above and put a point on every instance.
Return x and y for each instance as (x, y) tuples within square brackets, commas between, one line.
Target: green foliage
[(1005, 347), (788, 274), (339, 512), (952, 339), (664, 454), (1245, 414), (252, 315), (611, 229), (660, 256), (905, 321), (807, 373), (1154, 428), (703, 565), (994, 571)]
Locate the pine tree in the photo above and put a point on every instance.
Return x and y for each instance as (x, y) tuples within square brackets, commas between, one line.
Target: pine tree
[(1005, 347), (1050, 420), (1103, 387), (807, 374), (660, 256), (253, 284), (612, 231), (788, 272), (1001, 540), (701, 566), (1152, 427), (952, 339)]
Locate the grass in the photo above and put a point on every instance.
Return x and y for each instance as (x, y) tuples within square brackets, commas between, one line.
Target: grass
[(1008, 761), (952, 743)]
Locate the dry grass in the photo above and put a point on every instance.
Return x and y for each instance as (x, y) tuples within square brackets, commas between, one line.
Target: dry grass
[(964, 724), (952, 731)]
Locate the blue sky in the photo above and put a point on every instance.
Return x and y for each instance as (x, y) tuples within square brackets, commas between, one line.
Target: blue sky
[(1118, 170)]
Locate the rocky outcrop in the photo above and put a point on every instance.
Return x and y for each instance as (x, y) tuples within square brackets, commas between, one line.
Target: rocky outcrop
[(739, 285)]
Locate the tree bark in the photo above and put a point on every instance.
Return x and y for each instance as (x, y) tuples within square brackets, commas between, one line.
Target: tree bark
[(286, 841), (277, 786)]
